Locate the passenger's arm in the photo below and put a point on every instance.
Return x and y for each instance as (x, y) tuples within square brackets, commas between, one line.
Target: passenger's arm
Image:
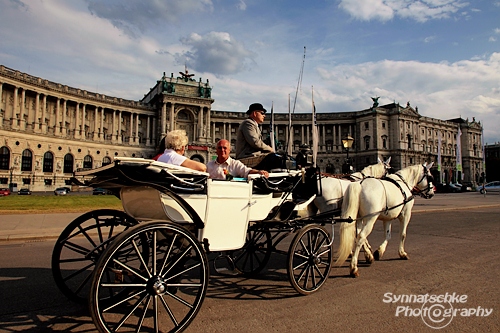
[(188, 163)]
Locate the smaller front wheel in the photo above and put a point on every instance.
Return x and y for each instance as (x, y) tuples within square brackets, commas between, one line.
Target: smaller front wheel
[(309, 259)]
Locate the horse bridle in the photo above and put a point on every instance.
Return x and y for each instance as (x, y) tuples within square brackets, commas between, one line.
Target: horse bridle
[(424, 193)]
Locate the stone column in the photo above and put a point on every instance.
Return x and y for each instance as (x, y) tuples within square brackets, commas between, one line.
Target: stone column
[(136, 138), (13, 118), (82, 128), (37, 126), (76, 133), (302, 134), (2, 115), (163, 119), (172, 120), (223, 131), (154, 131), (119, 135), (57, 125), (200, 122), (96, 130), (208, 122), (131, 129), (63, 123), (148, 131), (101, 126), (213, 132), (22, 121), (44, 114), (114, 129)]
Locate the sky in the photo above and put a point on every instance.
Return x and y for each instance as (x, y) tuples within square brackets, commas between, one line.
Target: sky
[(442, 56)]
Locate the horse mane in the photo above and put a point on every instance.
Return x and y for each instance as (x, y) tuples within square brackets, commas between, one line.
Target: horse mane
[(410, 174)]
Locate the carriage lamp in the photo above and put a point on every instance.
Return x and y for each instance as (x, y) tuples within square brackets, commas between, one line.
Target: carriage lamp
[(347, 143)]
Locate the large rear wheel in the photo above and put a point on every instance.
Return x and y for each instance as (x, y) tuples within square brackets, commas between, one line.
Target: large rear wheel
[(255, 254), (79, 247), (161, 292), (309, 259)]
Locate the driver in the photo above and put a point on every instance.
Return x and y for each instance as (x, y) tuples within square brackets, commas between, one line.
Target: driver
[(249, 144)]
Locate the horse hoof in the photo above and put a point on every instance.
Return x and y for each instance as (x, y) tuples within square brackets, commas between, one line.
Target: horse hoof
[(404, 257), (354, 274), (376, 254), (369, 260)]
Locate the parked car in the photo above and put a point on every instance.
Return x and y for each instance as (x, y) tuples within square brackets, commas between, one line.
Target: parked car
[(4, 191), (447, 188), (467, 187), (489, 187), (67, 189), (24, 191), (99, 191), (60, 191)]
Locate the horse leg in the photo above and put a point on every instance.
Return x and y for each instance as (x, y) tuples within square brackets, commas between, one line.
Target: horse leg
[(381, 249), (403, 221), (360, 241)]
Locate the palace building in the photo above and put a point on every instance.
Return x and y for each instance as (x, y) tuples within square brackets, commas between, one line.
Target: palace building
[(49, 130)]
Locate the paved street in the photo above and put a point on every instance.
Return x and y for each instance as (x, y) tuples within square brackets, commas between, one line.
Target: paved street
[(451, 242)]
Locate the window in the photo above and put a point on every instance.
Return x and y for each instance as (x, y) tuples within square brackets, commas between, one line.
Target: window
[(87, 162), (68, 163), (367, 126), (367, 142), (27, 160), (106, 160), (409, 141), (4, 158), (48, 162), (383, 124), (384, 141)]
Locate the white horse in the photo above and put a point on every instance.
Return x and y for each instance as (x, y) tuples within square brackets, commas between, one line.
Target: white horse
[(385, 200)]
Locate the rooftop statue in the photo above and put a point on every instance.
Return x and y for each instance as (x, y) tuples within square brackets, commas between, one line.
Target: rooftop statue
[(375, 101)]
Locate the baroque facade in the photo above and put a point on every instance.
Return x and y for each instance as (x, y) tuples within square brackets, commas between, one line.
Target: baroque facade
[(49, 130)]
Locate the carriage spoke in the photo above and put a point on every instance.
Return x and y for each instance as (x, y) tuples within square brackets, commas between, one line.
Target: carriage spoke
[(169, 311), (126, 316), (140, 321), (167, 254)]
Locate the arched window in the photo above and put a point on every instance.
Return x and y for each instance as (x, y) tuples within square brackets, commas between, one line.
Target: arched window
[(68, 163), (106, 160), (87, 162), (27, 160), (4, 158), (48, 162)]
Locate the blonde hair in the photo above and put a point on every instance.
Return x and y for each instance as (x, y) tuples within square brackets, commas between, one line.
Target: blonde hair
[(176, 139)]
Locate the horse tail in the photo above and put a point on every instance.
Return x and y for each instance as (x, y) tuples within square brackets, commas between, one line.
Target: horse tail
[(347, 231)]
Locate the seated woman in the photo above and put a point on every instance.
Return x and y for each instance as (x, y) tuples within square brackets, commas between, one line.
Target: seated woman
[(175, 143)]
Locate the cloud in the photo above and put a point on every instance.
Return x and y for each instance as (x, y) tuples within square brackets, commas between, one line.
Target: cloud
[(385, 10), (215, 52), (137, 16), (241, 5)]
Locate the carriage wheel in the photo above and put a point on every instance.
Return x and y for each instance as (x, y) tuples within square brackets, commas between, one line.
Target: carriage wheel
[(79, 247), (309, 259), (161, 292), (255, 254)]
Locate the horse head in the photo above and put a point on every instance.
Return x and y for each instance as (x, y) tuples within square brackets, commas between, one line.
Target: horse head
[(424, 186), (309, 184)]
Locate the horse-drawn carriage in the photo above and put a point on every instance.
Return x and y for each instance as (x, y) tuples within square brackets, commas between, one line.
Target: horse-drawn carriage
[(147, 268)]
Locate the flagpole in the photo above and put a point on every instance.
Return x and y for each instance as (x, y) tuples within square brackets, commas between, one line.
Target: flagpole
[(290, 134), (315, 138), (271, 129)]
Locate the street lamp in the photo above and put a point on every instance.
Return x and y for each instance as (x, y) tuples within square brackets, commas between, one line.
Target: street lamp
[(347, 143)]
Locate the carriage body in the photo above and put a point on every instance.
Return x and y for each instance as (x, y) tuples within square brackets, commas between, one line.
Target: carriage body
[(173, 217)]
